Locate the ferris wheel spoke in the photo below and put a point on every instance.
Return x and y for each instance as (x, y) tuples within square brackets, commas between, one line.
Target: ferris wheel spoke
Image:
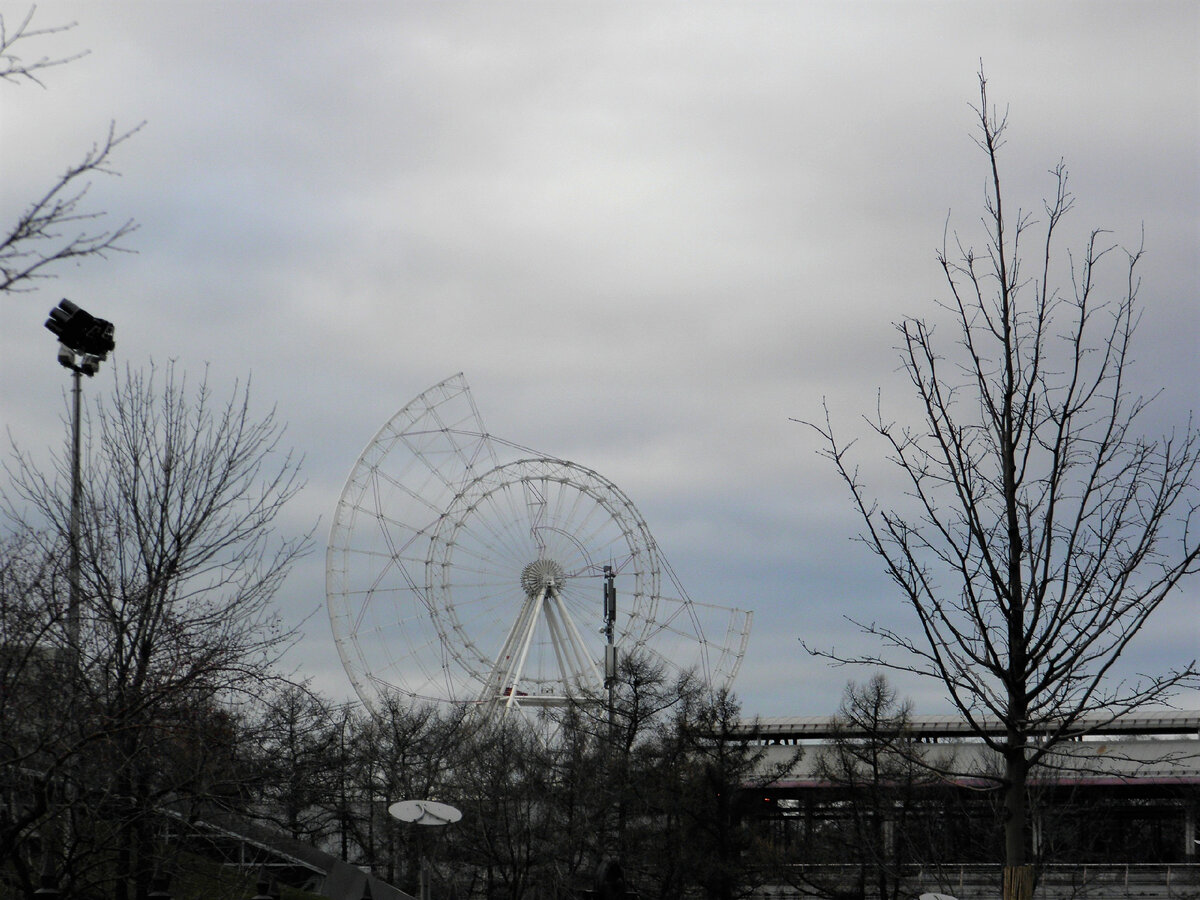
[(480, 558), (581, 663), (535, 511), (511, 539), (506, 503), (586, 530)]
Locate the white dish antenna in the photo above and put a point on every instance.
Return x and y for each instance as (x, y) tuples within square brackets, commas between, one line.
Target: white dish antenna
[(424, 812)]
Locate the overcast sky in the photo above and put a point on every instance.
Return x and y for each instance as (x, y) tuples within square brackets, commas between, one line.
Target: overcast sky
[(649, 234)]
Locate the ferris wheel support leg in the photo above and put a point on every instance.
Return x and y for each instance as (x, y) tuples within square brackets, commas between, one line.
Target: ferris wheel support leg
[(570, 654), (558, 641), (508, 648), (532, 626), (576, 640), (503, 669)]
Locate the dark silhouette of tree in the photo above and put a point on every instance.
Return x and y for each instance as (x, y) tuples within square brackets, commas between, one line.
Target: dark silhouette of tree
[(681, 780), (1044, 531), (617, 756), (508, 834), (298, 744), (179, 567), (885, 782), (34, 721), (725, 774)]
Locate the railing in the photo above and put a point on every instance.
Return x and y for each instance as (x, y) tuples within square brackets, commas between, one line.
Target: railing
[(1132, 881)]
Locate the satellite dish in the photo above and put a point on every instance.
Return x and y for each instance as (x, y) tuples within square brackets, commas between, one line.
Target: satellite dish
[(424, 812)]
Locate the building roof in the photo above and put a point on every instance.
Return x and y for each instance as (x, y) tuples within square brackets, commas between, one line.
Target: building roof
[(804, 728), (1161, 747)]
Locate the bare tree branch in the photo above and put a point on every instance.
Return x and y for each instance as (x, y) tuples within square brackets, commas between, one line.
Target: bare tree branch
[(57, 226), (16, 69)]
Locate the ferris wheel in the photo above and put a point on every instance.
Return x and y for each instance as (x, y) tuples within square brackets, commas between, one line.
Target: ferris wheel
[(468, 569)]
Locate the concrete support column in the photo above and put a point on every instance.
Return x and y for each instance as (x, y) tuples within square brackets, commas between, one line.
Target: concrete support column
[(1189, 832)]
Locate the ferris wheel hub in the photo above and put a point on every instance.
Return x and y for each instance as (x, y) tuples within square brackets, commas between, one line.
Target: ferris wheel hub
[(542, 575)]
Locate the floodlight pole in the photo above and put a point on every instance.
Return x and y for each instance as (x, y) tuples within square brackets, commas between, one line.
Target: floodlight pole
[(73, 601)]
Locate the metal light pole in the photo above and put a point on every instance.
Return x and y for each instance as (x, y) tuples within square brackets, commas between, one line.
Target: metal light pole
[(73, 597), (83, 342)]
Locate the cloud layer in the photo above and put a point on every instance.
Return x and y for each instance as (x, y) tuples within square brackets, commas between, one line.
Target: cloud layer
[(650, 234)]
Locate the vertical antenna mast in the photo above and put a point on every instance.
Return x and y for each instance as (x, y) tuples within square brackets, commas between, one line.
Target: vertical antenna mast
[(610, 650)]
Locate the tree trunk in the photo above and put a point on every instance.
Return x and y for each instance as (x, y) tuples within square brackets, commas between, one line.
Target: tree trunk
[(1018, 877), (1018, 882)]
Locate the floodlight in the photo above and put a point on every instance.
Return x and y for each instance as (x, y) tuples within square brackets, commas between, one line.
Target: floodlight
[(80, 333)]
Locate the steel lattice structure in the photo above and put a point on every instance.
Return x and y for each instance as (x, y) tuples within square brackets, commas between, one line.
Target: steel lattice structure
[(465, 568)]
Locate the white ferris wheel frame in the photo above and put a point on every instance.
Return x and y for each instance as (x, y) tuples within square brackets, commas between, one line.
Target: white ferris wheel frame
[(484, 547)]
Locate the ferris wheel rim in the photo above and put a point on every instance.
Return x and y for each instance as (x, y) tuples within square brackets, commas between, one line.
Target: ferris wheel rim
[(604, 493)]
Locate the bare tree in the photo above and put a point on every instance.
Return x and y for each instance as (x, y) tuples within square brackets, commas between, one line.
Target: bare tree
[(695, 784), (617, 744), (509, 833), (33, 721), (298, 740), (179, 567), (885, 778), (1044, 531), (56, 226)]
